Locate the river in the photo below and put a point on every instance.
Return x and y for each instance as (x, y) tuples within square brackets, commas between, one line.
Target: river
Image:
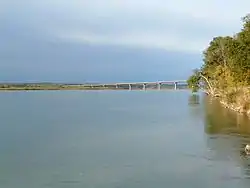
[(111, 139)]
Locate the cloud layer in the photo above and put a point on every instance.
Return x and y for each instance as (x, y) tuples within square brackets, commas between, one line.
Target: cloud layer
[(176, 25), (120, 40), (179, 25)]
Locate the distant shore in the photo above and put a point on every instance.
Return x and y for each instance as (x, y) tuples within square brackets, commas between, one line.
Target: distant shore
[(55, 86), (24, 87)]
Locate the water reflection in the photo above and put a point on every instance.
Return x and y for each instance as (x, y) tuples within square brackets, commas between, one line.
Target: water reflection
[(194, 99), (227, 134), (195, 104), (219, 120)]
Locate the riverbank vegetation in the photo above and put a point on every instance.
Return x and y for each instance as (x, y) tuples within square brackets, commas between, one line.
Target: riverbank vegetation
[(225, 72)]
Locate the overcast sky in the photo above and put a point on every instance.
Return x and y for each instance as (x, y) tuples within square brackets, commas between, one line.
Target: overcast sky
[(180, 25)]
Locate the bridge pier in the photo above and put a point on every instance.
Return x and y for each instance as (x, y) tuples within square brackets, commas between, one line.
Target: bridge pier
[(130, 86), (175, 85), (159, 86), (142, 85)]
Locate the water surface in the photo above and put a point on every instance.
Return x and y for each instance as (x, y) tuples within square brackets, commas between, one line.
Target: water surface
[(106, 139)]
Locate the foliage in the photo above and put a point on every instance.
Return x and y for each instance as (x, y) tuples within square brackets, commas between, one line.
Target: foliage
[(226, 65), (227, 60), (194, 81)]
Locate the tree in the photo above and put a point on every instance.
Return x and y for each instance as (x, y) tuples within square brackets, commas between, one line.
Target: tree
[(226, 68), (194, 81), (226, 60)]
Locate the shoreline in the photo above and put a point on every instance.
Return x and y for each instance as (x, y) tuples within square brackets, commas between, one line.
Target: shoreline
[(230, 106), (235, 108)]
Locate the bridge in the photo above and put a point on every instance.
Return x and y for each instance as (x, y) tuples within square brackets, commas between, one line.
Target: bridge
[(144, 85)]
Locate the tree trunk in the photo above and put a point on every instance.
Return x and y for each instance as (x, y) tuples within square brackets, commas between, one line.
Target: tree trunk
[(210, 86)]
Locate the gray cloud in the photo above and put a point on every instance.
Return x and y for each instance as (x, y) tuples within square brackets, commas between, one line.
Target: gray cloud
[(97, 19), (98, 40)]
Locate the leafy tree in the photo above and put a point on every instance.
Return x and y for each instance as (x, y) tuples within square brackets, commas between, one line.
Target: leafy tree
[(226, 68), (226, 61), (194, 81)]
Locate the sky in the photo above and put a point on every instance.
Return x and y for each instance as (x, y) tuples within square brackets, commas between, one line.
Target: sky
[(110, 40)]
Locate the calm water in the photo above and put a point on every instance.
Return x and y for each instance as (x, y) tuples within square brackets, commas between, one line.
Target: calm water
[(108, 139)]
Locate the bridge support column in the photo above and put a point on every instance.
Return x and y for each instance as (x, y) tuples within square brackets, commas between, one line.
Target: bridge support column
[(129, 86), (144, 87), (159, 86), (175, 85)]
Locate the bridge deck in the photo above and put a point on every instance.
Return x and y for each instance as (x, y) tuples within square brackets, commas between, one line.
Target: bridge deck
[(138, 83)]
